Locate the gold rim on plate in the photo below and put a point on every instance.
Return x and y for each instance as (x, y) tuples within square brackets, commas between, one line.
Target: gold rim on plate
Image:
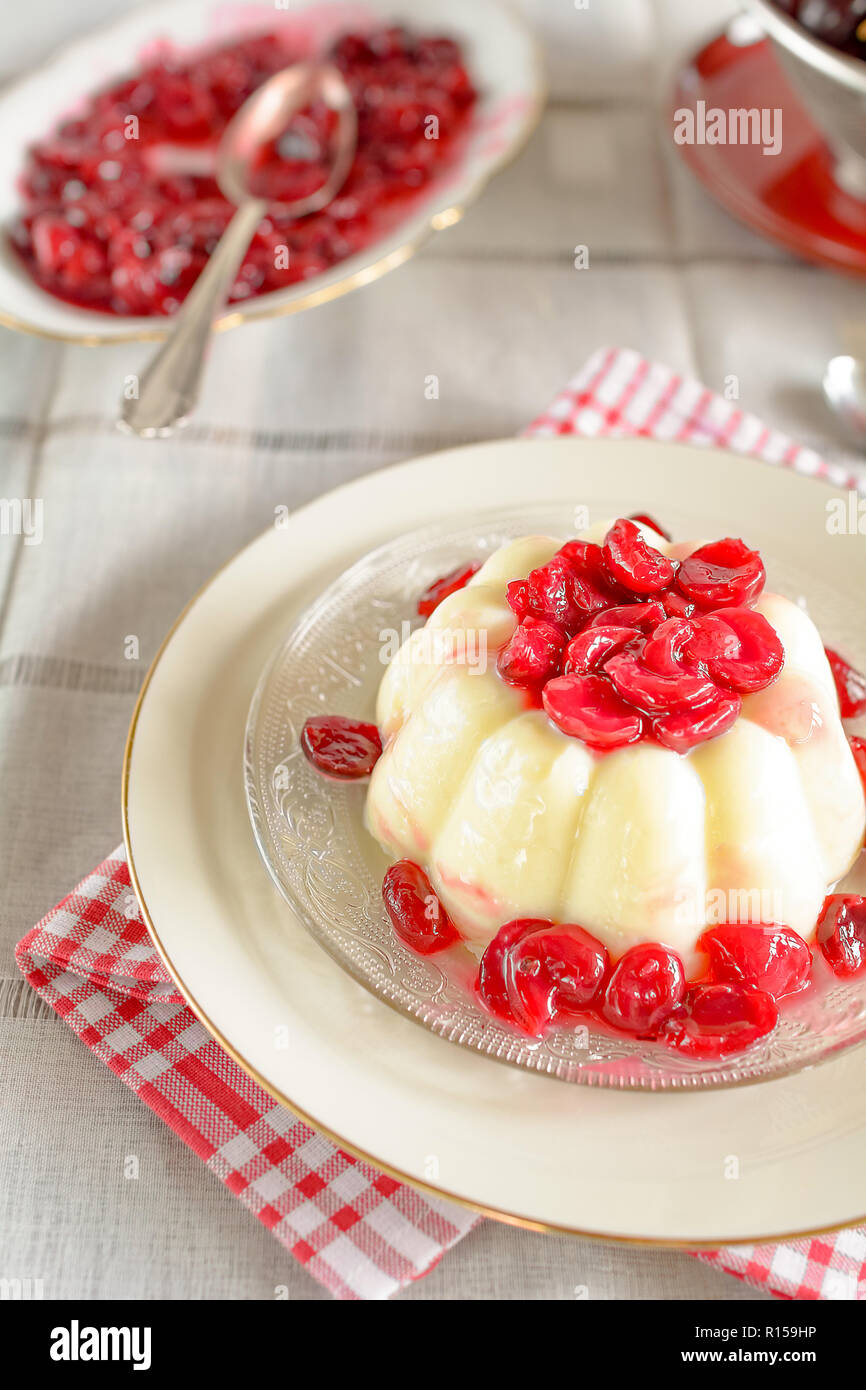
[(493, 1213)]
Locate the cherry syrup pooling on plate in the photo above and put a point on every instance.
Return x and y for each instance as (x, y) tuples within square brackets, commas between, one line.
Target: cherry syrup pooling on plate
[(121, 206)]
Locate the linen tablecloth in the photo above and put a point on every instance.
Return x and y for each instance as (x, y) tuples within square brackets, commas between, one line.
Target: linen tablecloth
[(497, 310)]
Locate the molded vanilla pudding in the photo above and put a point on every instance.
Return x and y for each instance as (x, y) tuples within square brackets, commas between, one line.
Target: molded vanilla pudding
[(644, 835)]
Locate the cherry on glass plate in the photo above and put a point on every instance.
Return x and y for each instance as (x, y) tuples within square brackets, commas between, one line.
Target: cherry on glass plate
[(858, 748), (850, 685), (416, 913), (647, 984), (842, 933), (719, 1020), (345, 749), (534, 973), (446, 585), (768, 956)]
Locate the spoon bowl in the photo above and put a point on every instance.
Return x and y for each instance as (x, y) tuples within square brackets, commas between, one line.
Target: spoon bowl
[(166, 392), (264, 117)]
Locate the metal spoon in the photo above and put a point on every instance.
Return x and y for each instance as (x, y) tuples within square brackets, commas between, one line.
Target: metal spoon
[(844, 388), (168, 388)]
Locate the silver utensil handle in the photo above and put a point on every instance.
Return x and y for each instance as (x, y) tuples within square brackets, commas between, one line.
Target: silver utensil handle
[(168, 387)]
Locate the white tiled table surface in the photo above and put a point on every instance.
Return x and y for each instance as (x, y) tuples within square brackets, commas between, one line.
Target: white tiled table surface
[(291, 408)]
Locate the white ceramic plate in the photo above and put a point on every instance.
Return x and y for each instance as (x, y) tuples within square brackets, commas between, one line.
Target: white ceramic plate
[(640, 1166), (502, 57)]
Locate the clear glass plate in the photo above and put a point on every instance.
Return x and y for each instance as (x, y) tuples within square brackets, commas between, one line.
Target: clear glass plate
[(311, 835)]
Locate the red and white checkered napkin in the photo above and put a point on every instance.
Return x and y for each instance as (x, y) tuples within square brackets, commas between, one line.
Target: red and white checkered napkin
[(359, 1232)]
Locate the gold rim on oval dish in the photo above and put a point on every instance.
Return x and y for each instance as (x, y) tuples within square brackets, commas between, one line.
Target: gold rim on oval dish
[(442, 1193), (234, 316)]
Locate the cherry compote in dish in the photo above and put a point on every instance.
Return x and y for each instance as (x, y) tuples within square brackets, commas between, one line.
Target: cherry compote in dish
[(634, 803), (121, 206)]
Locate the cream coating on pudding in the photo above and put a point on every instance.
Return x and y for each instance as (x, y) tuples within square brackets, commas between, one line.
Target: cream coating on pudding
[(510, 817)]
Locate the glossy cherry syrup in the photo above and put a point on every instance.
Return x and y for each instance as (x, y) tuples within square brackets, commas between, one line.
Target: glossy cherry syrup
[(534, 973), (345, 749), (121, 206), (850, 685), (858, 748), (717, 1020), (842, 933), (647, 984), (416, 913), (620, 643), (447, 584), (761, 956)]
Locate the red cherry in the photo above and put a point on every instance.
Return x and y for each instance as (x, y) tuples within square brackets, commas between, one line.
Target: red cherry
[(417, 915), (766, 956), (567, 965), (842, 933), (495, 979), (448, 584), (647, 984), (664, 649), (858, 748), (680, 675), (633, 562), (557, 592), (683, 731), (533, 653), (657, 694), (588, 708), (517, 597), (646, 520), (850, 685), (590, 649), (718, 1020), (587, 560), (61, 250), (676, 605), (344, 749), (534, 973), (723, 574), (642, 616), (738, 647)]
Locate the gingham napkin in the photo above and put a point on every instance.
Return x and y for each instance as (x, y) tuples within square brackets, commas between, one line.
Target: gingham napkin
[(360, 1233)]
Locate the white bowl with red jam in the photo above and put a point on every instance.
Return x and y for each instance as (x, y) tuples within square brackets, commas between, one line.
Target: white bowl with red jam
[(108, 204), (602, 813)]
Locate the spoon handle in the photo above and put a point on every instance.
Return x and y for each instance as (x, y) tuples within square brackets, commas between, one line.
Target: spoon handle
[(168, 387)]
